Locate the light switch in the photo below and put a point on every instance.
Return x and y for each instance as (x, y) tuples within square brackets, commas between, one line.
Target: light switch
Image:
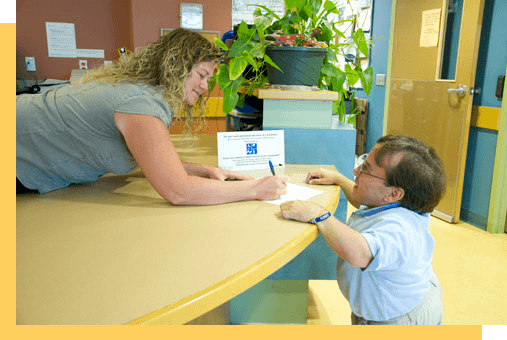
[(30, 64), (381, 80)]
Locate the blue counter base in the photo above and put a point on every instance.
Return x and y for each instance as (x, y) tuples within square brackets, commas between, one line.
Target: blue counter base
[(282, 298)]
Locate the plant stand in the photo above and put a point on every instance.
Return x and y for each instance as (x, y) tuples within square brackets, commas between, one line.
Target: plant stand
[(306, 109)]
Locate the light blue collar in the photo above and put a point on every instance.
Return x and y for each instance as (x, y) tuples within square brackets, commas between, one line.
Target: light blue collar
[(373, 211)]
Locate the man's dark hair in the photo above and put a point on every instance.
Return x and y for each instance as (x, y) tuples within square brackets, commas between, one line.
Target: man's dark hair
[(419, 172)]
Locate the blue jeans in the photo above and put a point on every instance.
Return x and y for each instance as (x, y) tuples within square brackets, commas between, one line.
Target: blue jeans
[(428, 312)]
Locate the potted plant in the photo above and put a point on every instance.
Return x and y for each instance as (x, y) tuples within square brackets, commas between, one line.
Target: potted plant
[(306, 24)]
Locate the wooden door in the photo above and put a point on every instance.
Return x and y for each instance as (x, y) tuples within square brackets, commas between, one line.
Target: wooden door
[(419, 103)]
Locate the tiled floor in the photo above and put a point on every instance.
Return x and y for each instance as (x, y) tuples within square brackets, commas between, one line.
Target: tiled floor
[(471, 265)]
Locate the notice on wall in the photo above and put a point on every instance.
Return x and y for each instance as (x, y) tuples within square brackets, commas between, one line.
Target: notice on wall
[(87, 53), (251, 150), (430, 28), (242, 10), (61, 40)]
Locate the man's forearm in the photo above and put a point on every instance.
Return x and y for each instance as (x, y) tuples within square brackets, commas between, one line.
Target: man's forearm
[(347, 185)]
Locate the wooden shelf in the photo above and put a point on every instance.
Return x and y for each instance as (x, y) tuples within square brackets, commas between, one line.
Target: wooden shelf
[(295, 94)]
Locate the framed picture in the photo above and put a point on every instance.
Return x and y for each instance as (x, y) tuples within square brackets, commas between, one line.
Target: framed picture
[(191, 16)]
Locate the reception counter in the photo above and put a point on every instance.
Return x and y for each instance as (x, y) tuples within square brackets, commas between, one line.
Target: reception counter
[(114, 252)]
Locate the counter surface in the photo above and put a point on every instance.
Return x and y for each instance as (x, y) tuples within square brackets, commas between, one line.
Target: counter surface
[(114, 252)]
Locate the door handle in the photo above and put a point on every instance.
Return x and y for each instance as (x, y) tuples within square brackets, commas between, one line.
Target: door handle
[(460, 91)]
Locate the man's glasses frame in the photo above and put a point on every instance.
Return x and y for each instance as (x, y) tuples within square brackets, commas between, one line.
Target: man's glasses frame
[(363, 171)]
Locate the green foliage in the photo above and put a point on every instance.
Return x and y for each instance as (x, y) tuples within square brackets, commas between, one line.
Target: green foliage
[(247, 59)]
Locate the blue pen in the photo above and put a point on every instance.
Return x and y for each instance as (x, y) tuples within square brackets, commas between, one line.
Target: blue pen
[(272, 168)]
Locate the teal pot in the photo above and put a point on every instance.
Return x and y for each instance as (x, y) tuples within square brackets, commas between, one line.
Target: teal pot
[(300, 65)]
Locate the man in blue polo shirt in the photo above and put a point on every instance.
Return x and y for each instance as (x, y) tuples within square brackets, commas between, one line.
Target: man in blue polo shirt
[(385, 250)]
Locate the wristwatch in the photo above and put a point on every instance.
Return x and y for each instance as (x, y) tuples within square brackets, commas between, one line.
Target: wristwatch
[(321, 218)]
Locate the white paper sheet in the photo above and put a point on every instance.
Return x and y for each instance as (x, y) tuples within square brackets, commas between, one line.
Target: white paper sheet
[(61, 40), (296, 192), (430, 28)]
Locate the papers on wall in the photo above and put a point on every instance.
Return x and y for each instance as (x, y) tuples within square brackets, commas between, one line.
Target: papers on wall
[(430, 28), (61, 40), (250, 150)]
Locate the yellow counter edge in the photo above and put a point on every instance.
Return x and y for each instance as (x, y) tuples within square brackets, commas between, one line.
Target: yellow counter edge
[(198, 304)]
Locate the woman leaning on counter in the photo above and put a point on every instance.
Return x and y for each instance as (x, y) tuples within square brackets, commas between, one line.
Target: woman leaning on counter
[(117, 119)]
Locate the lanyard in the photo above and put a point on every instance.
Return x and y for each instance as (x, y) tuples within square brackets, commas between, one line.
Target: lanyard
[(373, 211)]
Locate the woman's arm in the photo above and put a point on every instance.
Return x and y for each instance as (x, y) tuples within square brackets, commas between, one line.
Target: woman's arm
[(149, 142), (349, 244), (213, 172)]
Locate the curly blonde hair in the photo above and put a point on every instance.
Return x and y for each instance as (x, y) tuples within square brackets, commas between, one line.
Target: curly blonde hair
[(164, 65)]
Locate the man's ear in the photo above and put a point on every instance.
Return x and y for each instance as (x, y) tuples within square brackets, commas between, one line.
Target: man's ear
[(394, 195)]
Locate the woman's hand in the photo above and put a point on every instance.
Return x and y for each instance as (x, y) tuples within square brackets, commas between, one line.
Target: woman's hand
[(303, 211), (322, 176), (271, 187)]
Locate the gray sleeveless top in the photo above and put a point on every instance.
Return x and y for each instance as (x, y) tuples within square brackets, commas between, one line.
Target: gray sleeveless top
[(68, 135)]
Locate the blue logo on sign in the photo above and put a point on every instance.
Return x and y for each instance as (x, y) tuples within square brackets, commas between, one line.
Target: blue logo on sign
[(251, 148)]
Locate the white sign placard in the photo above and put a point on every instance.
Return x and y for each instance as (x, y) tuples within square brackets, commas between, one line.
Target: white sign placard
[(250, 150)]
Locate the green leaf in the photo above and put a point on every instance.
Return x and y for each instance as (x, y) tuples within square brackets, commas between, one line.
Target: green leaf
[(221, 44), (297, 4), (260, 32), (329, 70), (230, 100), (249, 58), (237, 48), (212, 83), (242, 31), (315, 6), (360, 41), (223, 76), (331, 55), (339, 81), (342, 110), (330, 7), (269, 13), (367, 80), (256, 50), (352, 76), (236, 67), (270, 62)]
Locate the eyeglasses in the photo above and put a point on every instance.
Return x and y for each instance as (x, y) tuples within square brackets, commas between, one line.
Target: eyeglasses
[(363, 171)]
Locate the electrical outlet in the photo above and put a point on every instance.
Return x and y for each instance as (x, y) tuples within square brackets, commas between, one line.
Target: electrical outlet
[(30, 64), (83, 64), (381, 80)]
